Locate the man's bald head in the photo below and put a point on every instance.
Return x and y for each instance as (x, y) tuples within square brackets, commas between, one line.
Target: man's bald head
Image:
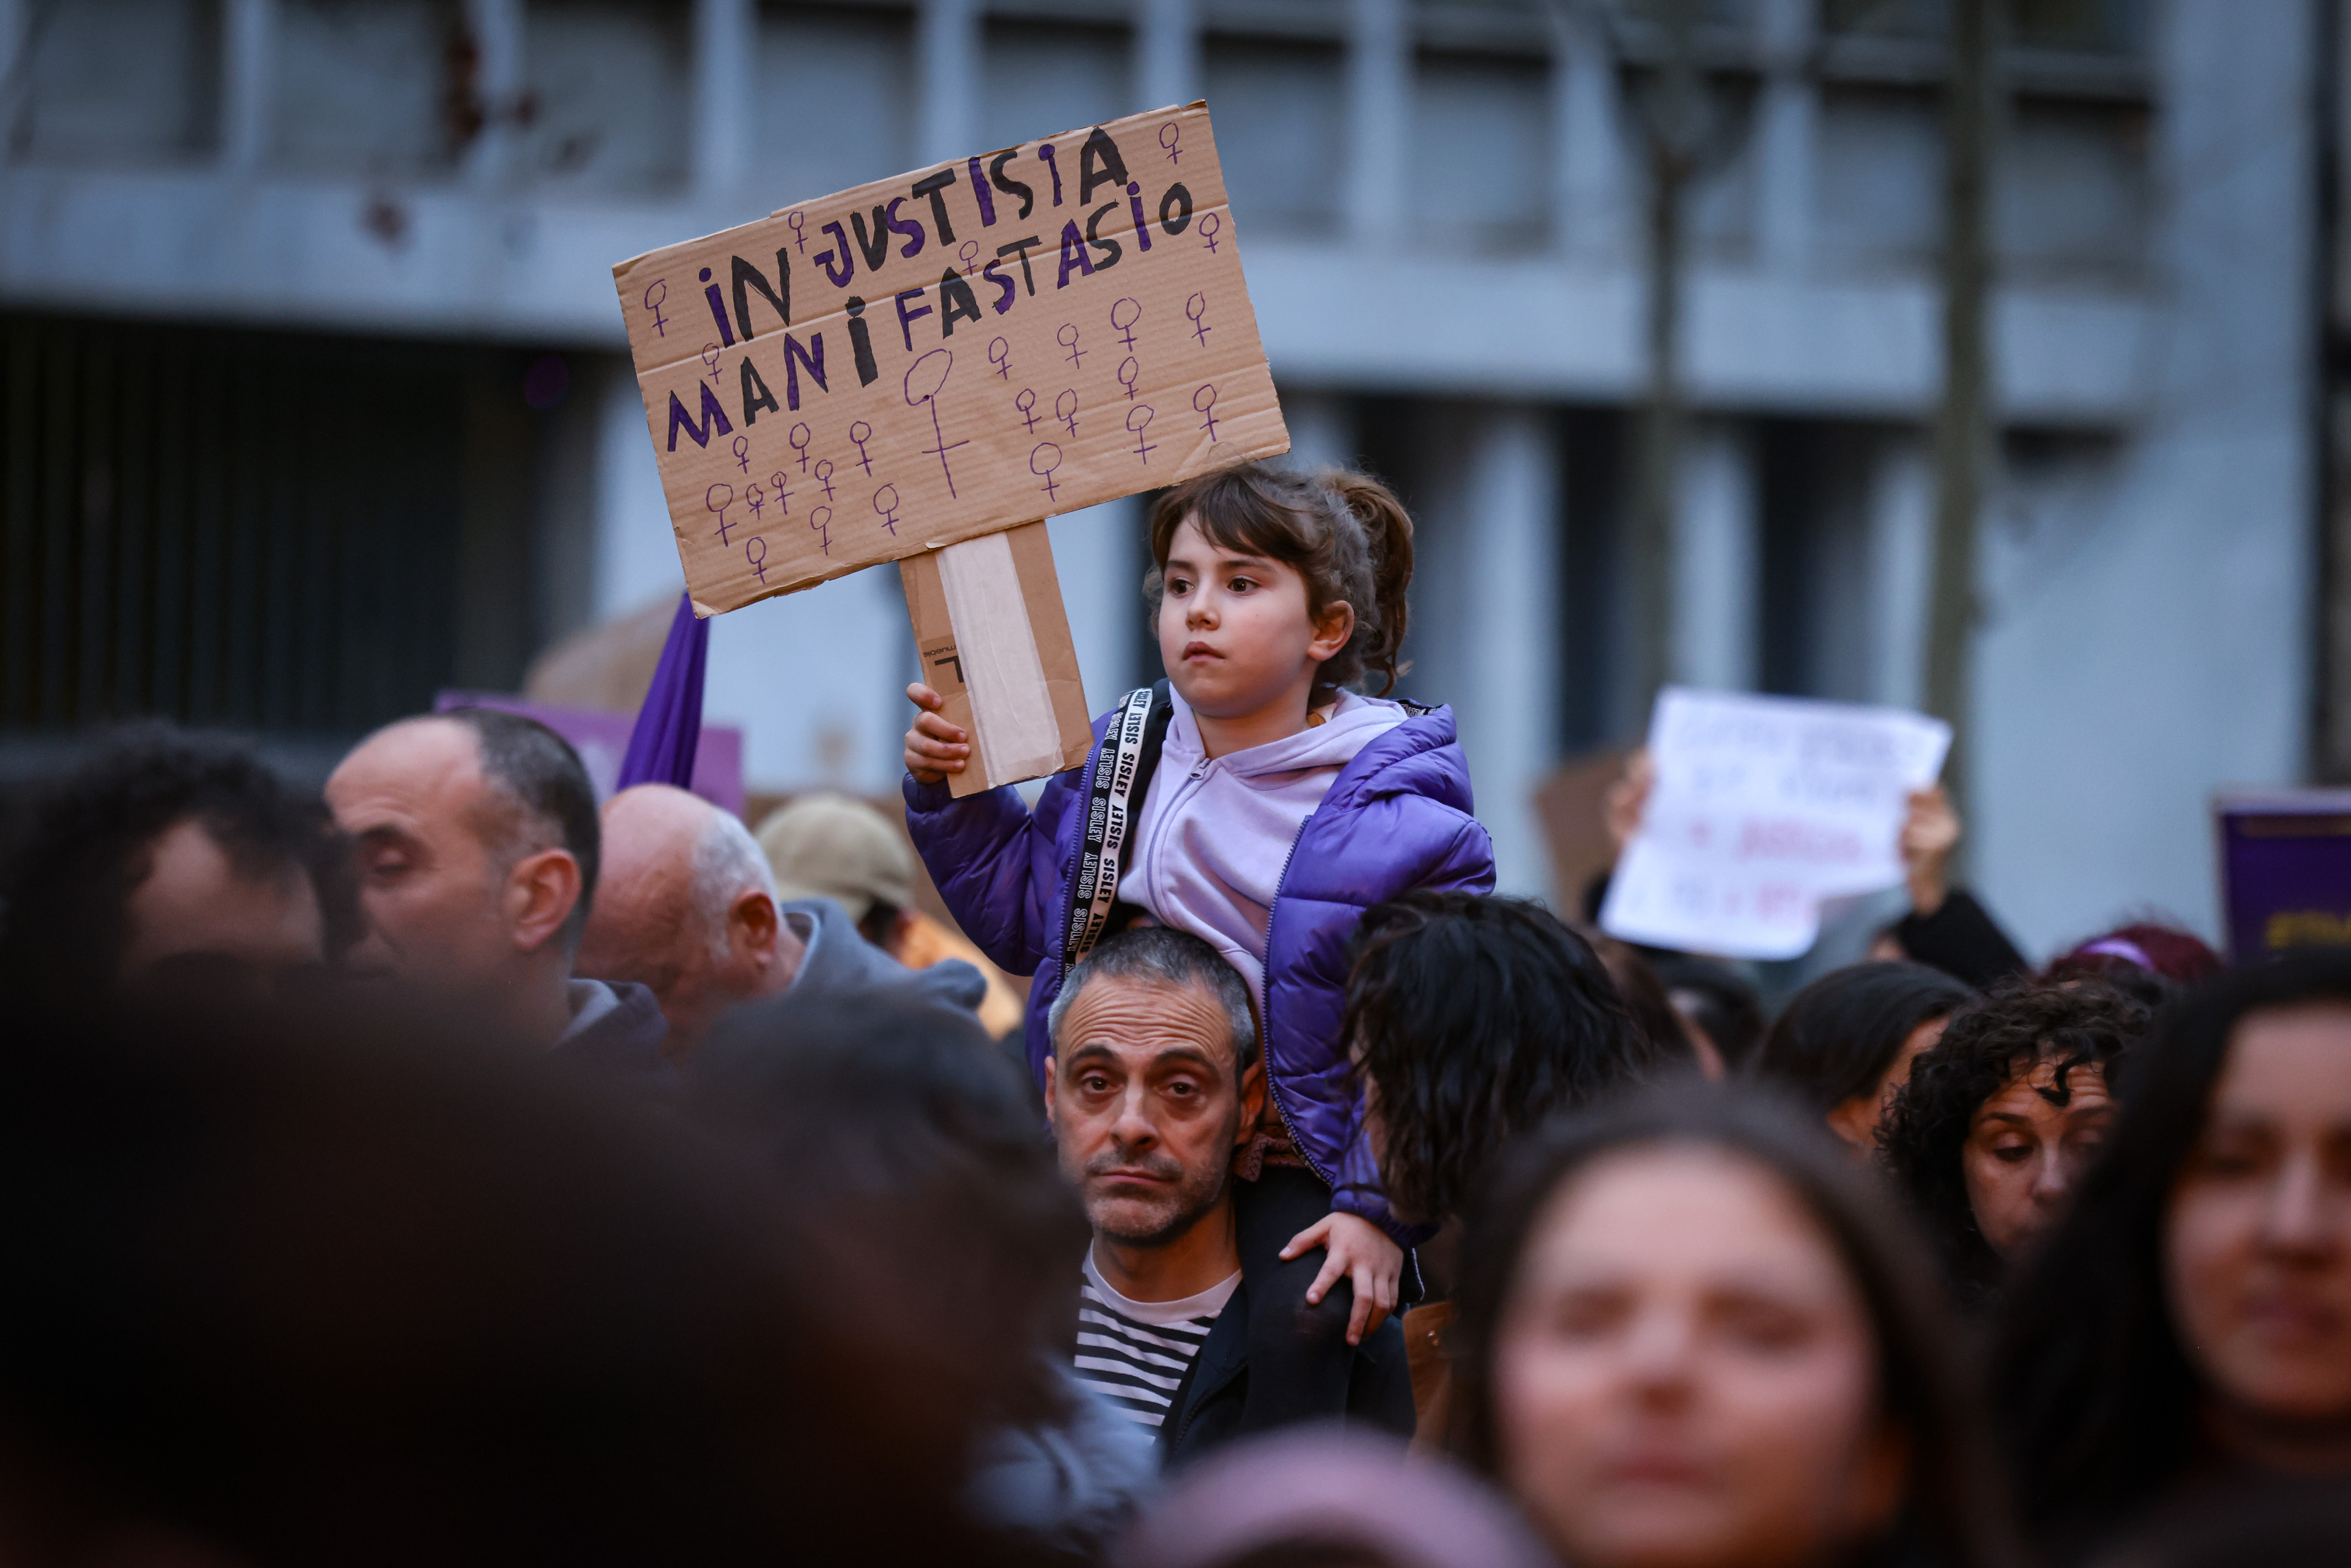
[(685, 906)]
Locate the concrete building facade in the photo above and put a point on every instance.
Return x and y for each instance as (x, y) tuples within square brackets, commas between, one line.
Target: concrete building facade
[(1441, 203)]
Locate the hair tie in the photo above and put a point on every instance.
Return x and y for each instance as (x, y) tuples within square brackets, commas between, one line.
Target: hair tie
[(2122, 947)]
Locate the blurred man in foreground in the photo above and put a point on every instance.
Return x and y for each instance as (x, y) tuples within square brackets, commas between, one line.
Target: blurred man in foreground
[(477, 850), (166, 854), (351, 1287), (689, 911)]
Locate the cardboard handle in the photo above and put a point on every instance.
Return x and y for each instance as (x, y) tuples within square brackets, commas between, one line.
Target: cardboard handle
[(994, 640)]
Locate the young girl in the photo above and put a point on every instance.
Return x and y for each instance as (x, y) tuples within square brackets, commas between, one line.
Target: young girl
[(1278, 806)]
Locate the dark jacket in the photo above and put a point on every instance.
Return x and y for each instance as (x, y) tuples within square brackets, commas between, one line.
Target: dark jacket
[(616, 1034), (839, 958), (1211, 1405), (1962, 940)]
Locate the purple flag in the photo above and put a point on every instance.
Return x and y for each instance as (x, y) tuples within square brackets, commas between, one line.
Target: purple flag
[(669, 726)]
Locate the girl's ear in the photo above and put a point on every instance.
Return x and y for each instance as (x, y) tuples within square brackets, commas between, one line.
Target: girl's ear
[(1336, 624)]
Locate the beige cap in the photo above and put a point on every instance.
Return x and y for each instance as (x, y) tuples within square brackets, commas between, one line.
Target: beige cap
[(831, 846)]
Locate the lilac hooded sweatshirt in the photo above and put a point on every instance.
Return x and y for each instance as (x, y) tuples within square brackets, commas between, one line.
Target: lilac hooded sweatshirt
[(1215, 834)]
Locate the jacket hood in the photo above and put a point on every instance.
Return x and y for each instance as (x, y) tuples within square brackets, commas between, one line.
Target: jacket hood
[(1355, 724), (1422, 756)]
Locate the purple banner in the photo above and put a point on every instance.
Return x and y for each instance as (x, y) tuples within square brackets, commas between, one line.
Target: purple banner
[(2286, 870), (603, 740)]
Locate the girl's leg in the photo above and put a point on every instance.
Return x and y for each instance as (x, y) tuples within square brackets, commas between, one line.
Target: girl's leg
[(1300, 1361)]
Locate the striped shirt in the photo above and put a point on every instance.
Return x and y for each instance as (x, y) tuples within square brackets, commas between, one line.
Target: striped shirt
[(1135, 1353)]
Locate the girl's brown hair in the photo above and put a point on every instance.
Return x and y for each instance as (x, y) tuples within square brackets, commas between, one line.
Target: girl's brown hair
[(1345, 533)]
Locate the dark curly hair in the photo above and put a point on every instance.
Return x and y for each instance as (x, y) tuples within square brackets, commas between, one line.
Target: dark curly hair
[(1838, 1037), (1345, 533), (2079, 1024), (1473, 1019), (65, 900)]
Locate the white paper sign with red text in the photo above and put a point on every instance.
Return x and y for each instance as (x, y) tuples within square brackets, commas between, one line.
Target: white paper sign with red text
[(1763, 807)]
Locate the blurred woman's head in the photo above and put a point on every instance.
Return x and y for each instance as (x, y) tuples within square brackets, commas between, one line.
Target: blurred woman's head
[(2146, 961), (2194, 1307), (1998, 1120), (894, 1117), (1471, 1019), (1326, 1498), (1844, 1043), (1691, 1334)]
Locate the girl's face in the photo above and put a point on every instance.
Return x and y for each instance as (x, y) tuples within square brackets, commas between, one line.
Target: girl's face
[(2025, 1152), (1233, 629), (2257, 1245), (1685, 1372)]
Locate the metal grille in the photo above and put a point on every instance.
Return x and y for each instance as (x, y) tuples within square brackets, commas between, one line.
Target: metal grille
[(245, 529)]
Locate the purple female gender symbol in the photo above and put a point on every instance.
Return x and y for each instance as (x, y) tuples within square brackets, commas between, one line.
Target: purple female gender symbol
[(969, 251), (799, 240), (1026, 401), (1211, 225), (1142, 448), (1000, 354), (824, 475), (864, 460), (822, 521), (743, 453), (1068, 338), (1128, 371), (1133, 314), (759, 563), (933, 381), (783, 496), (653, 304), (1208, 409), (889, 509), (1046, 473), (758, 498), (1171, 137), (800, 440), (1069, 416), (710, 358), (712, 501), (1193, 308)]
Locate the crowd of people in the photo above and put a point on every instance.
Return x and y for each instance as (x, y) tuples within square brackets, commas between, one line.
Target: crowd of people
[(447, 1167)]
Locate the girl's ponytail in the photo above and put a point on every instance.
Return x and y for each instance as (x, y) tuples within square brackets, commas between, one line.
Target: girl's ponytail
[(1387, 530)]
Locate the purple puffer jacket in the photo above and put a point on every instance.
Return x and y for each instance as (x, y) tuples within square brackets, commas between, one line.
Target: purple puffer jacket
[(1396, 818)]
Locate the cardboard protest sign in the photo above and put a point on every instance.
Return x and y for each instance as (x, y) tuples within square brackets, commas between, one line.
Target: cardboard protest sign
[(1763, 807), (2286, 870), (995, 642), (947, 354)]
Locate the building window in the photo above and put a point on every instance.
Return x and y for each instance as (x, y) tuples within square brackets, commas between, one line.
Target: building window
[(1880, 179), (371, 87), (1280, 114), (1481, 141), (119, 81), (607, 89), (834, 98), (1040, 79)]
